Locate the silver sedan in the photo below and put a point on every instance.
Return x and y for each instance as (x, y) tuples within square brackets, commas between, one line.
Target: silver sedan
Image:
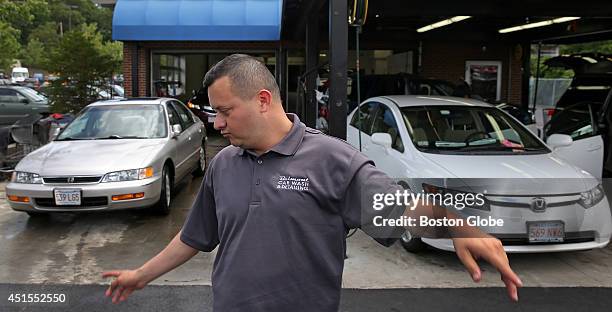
[(115, 155)]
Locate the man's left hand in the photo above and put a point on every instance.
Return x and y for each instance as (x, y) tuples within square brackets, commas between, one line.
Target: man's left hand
[(490, 249)]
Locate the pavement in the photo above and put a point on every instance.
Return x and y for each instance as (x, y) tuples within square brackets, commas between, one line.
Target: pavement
[(66, 253)]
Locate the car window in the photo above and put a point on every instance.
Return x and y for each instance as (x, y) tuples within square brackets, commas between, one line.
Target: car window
[(173, 115), (117, 122), (33, 95), (9, 95), (385, 122), (575, 121), (184, 114), (366, 112), (471, 130)]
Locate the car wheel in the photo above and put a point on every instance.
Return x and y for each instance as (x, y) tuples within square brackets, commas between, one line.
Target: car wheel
[(201, 168), (412, 243), (163, 205)]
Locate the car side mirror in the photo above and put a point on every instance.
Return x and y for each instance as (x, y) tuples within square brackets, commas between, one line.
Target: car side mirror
[(559, 140), (382, 139), (25, 101), (176, 130)]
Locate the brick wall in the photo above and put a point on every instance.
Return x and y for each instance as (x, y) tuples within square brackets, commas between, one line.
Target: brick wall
[(144, 52), (446, 60)]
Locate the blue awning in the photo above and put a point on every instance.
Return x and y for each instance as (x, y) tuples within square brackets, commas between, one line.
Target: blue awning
[(197, 20)]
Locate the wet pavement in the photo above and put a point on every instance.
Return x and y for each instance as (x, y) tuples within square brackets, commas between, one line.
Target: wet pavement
[(66, 250)]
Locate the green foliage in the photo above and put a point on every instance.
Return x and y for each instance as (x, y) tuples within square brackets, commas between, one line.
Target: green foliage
[(34, 54), (31, 29), (604, 47), (10, 46), (83, 62)]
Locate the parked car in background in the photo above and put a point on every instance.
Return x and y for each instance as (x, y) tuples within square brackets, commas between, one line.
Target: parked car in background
[(425, 142), (117, 154), (199, 105), (583, 112), (19, 74), (17, 102)]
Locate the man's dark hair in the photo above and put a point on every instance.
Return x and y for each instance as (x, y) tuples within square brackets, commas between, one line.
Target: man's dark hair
[(246, 74)]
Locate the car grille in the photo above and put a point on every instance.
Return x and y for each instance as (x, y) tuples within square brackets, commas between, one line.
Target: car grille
[(71, 180), (522, 239), (85, 202)]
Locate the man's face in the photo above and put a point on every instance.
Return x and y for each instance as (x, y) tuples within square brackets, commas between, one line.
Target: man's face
[(236, 117)]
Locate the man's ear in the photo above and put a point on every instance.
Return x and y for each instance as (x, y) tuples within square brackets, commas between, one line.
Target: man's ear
[(264, 99)]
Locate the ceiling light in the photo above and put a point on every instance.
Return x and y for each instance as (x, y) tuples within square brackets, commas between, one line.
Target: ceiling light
[(538, 24), (443, 23)]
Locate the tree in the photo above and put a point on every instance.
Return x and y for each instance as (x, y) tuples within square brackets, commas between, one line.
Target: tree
[(10, 46), (83, 62), (34, 55)]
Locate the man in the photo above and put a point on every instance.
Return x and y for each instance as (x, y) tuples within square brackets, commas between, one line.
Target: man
[(278, 204)]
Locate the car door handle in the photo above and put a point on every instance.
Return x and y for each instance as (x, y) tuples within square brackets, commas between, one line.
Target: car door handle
[(593, 148)]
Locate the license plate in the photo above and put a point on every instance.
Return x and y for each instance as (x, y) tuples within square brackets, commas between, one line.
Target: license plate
[(67, 197), (546, 232), (211, 119)]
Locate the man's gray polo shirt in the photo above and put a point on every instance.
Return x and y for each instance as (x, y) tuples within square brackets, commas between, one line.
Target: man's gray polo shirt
[(280, 221)]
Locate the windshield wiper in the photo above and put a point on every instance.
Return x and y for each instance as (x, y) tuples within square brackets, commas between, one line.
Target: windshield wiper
[(72, 139), (115, 136)]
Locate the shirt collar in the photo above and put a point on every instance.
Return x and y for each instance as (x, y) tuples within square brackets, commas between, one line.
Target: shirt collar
[(291, 142)]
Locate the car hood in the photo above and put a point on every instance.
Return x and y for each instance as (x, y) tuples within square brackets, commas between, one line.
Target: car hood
[(514, 174), (89, 157)]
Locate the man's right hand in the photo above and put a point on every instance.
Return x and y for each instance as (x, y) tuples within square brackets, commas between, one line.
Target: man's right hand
[(126, 281)]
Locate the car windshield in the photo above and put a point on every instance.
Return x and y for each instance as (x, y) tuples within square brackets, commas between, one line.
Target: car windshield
[(132, 121), (33, 95), (472, 130)]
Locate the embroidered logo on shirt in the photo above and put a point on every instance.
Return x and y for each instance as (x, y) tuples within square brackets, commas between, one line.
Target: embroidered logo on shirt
[(292, 183)]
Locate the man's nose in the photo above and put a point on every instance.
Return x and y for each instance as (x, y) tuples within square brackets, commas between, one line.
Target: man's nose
[(219, 123)]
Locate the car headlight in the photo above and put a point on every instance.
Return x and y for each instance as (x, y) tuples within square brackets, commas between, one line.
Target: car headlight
[(128, 175), (592, 197), (26, 177)]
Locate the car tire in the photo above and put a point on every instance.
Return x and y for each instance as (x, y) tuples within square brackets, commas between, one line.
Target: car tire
[(201, 167), (412, 243), (165, 198)]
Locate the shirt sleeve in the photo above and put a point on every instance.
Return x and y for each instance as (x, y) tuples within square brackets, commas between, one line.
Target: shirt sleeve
[(358, 206), (200, 231)]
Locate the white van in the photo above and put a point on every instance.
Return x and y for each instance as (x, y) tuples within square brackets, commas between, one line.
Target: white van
[(19, 74)]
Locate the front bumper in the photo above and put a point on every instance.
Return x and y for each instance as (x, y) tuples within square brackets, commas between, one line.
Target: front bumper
[(96, 196), (583, 228)]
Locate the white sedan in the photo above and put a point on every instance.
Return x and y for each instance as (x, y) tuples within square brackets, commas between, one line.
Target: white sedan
[(445, 144)]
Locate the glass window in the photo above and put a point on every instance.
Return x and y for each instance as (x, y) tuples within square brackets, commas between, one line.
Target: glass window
[(384, 122), (471, 130), (32, 94), (117, 122), (173, 116), (575, 121), (184, 115), (366, 112), (9, 95), (169, 75)]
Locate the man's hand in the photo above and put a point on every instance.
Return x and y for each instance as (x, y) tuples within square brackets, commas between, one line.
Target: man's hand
[(490, 249), (124, 284)]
